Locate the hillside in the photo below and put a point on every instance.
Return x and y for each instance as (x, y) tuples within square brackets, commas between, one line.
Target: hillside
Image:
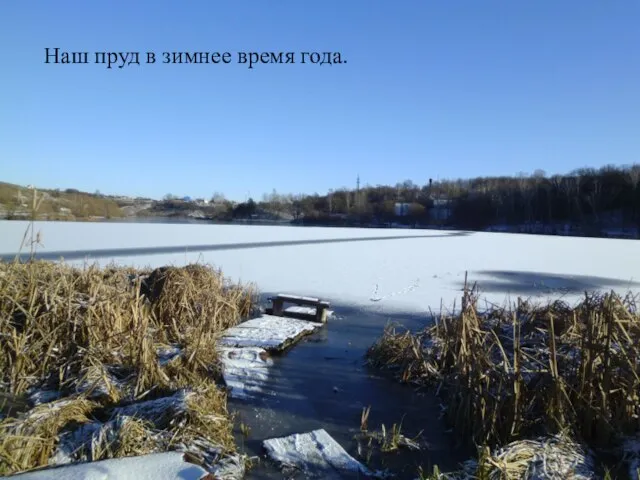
[(16, 202)]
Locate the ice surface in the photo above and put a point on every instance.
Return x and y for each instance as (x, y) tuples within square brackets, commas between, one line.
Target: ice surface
[(268, 332), (245, 370), (169, 465), (71, 236), (407, 275), (316, 454)]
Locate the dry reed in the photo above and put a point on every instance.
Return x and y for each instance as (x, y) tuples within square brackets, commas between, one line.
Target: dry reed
[(98, 337), (505, 375)]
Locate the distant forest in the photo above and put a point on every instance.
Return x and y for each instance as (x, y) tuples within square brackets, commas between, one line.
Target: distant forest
[(593, 199), (589, 202)]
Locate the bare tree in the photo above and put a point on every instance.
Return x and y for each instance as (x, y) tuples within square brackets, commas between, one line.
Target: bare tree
[(594, 195), (634, 180), (218, 197)]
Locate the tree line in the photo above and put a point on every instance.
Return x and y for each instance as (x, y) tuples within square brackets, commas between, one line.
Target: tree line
[(589, 198)]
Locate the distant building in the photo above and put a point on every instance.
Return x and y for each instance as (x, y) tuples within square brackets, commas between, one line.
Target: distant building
[(441, 209), (186, 199), (401, 209)]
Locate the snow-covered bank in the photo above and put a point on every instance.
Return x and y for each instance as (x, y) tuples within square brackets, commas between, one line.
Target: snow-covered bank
[(403, 274), (169, 466)]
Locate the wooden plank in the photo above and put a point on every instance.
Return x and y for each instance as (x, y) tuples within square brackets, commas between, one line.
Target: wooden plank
[(278, 307), (268, 332), (321, 315), (296, 297), (300, 300)]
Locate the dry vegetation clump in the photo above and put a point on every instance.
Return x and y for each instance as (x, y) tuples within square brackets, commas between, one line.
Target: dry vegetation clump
[(29, 441), (95, 365), (191, 316), (508, 375), (545, 458)]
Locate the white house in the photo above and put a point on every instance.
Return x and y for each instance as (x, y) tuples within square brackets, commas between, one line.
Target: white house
[(401, 209), (441, 209)]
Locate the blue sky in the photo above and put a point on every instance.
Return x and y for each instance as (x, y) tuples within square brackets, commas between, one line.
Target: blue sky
[(431, 89)]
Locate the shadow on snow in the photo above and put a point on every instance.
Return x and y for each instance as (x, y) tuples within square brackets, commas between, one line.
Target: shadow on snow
[(525, 284), (127, 252)]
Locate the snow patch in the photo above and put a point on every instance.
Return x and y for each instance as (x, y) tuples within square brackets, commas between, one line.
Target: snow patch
[(169, 465), (245, 370), (167, 355), (38, 397), (268, 332), (160, 411), (300, 310), (316, 454)]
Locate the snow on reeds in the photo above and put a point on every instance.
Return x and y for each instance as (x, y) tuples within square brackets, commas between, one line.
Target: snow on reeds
[(510, 375), (100, 363)]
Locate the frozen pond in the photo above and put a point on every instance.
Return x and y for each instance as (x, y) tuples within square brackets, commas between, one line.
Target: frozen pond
[(370, 277), (383, 270)]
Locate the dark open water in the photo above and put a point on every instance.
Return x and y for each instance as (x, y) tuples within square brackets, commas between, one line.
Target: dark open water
[(323, 382)]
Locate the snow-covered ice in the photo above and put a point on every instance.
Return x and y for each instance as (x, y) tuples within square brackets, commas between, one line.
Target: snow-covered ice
[(268, 332), (388, 271), (316, 454), (169, 466), (408, 271)]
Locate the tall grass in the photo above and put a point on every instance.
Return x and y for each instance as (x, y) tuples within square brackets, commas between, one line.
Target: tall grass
[(516, 373), (94, 335)]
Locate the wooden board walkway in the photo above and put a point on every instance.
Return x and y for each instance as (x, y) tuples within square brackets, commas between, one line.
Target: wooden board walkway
[(321, 307), (245, 348)]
